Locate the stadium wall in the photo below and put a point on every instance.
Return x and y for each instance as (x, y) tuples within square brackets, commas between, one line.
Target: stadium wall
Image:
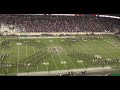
[(59, 33)]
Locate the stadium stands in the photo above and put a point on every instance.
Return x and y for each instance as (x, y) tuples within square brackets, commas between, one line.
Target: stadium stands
[(48, 23)]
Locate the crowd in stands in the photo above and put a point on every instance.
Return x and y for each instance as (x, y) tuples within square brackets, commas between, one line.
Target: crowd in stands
[(47, 23)]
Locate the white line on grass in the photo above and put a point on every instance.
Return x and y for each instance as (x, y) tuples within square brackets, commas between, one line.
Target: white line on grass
[(106, 51), (45, 60), (3, 51), (86, 52), (90, 49), (35, 58), (54, 62), (9, 59), (110, 43), (60, 57), (18, 57), (52, 57), (77, 58), (26, 56), (69, 57)]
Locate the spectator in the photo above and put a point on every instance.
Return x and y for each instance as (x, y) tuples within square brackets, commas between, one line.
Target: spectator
[(48, 23)]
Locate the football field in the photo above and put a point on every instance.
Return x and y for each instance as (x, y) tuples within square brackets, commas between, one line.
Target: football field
[(23, 54)]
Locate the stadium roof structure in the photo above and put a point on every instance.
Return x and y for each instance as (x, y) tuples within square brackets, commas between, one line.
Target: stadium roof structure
[(115, 15), (71, 14)]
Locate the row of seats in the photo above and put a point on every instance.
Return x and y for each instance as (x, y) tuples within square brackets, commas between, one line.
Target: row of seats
[(48, 23)]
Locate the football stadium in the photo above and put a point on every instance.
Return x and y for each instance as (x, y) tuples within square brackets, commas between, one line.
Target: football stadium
[(59, 44)]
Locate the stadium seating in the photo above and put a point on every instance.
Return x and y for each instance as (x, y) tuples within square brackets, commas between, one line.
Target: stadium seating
[(47, 23)]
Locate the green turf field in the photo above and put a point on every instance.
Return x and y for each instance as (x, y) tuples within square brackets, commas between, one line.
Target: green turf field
[(46, 54)]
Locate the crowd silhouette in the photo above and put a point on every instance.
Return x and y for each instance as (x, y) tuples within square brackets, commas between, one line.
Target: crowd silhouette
[(49, 23)]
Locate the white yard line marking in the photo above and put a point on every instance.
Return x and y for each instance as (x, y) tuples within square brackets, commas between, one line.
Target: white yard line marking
[(68, 57), (9, 60), (9, 57), (86, 52), (110, 43), (35, 58), (26, 56), (18, 58), (54, 62), (52, 57), (76, 57), (106, 50), (91, 50), (3, 50), (60, 57), (45, 60)]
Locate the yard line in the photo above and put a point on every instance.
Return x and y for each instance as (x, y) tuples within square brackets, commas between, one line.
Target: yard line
[(60, 57), (68, 57), (26, 50), (7, 67), (35, 58), (89, 49), (3, 51), (92, 51), (18, 57), (26, 56), (106, 51), (86, 52), (101, 48), (9, 59), (45, 60), (54, 62), (110, 43), (52, 58), (3, 48), (76, 57)]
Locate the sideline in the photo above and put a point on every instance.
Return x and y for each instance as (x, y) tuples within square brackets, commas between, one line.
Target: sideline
[(54, 73)]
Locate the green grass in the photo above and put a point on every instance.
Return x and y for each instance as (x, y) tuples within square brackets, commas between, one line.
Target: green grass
[(38, 51)]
